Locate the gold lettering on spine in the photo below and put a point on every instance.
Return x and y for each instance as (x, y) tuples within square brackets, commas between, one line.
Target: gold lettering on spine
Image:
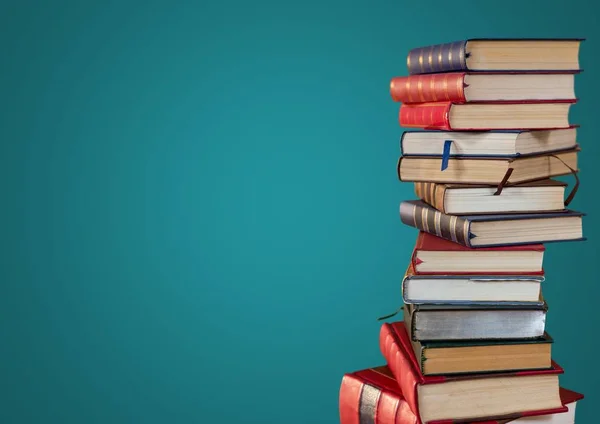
[(445, 87), (408, 60), (408, 93), (453, 228), (432, 189), (430, 59), (424, 219), (450, 57), (466, 233), (414, 215), (439, 58), (461, 55), (438, 224), (420, 89), (421, 60)]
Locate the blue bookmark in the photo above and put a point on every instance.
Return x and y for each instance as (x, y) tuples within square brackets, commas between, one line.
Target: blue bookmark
[(446, 154)]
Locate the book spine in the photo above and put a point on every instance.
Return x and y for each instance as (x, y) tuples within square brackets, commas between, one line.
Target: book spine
[(364, 403), (400, 367), (448, 87), (429, 220), (433, 194), (426, 115), (447, 57)]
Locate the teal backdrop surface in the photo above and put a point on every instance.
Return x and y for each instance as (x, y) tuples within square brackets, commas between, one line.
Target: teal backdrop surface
[(200, 202)]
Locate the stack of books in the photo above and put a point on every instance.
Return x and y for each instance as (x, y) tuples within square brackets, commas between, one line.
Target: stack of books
[(494, 133)]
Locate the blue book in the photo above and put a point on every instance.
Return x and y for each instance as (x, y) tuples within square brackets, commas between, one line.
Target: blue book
[(497, 55)]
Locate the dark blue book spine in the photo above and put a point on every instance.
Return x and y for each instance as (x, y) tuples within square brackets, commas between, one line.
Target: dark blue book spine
[(448, 57)]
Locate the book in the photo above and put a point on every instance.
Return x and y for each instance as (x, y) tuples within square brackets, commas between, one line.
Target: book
[(471, 290), (487, 170), (494, 230), (467, 87), (431, 322), (467, 397), (496, 54), (435, 255), (450, 116), (503, 143), (482, 356), (465, 199), (374, 396)]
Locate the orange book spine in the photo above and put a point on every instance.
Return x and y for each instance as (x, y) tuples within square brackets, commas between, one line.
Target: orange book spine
[(448, 87), (432, 194), (426, 115)]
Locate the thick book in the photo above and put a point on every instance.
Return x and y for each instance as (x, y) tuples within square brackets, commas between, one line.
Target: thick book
[(467, 87), (494, 230), (487, 170), (483, 356), (479, 116), (434, 255), (503, 143), (471, 290), (465, 398), (496, 54), (450, 322), (373, 396), (465, 199)]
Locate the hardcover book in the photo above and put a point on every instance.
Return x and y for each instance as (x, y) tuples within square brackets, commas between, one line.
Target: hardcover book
[(482, 356), (496, 54), (465, 398), (487, 170), (465, 199), (471, 290), (434, 255), (494, 230), (464, 87), (373, 396), (450, 322), (444, 115), (502, 143)]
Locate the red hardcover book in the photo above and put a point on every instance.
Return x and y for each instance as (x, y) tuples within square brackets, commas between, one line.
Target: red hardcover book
[(373, 396), (466, 87), (469, 395), (434, 255), (485, 116)]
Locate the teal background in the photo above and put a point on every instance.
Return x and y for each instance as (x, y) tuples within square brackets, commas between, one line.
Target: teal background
[(200, 205)]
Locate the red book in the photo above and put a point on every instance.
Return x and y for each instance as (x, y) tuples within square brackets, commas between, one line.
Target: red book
[(466, 87), (434, 255), (484, 116), (449, 87), (468, 398), (373, 396)]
